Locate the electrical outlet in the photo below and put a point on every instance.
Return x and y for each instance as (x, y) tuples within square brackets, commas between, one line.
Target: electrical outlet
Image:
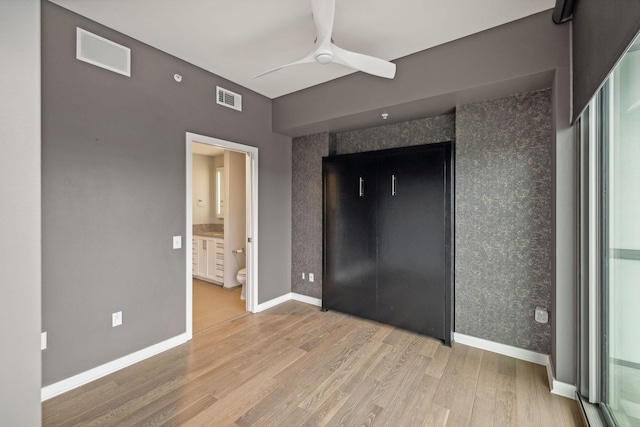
[(311, 277), (542, 315), (177, 242), (116, 319), (303, 276), (43, 341)]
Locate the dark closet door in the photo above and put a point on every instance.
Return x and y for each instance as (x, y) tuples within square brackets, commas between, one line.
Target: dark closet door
[(349, 282), (411, 240)]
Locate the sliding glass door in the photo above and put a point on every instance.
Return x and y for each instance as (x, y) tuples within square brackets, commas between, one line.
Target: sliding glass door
[(621, 243), (609, 270)]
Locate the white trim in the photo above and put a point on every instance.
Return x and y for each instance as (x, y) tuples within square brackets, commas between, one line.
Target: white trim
[(110, 367), (556, 387), (273, 302), (563, 389), (504, 349), (550, 374), (306, 299), (188, 237), (594, 253), (251, 291), (288, 297)]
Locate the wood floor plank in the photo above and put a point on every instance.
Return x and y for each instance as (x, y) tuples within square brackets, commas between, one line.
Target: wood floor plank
[(528, 408), (327, 410), (484, 403), (348, 413), (459, 382), (430, 347), (398, 352), (439, 362), (295, 365), (419, 409), (409, 366), (333, 382), (395, 400), (231, 406), (296, 388), (505, 404)]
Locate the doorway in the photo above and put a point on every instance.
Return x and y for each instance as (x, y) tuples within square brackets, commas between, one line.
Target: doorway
[(251, 222)]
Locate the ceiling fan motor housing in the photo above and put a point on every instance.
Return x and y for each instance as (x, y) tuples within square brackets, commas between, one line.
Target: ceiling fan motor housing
[(324, 56)]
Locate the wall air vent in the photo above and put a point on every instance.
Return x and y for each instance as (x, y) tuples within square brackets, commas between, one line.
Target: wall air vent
[(103, 53), (228, 99)]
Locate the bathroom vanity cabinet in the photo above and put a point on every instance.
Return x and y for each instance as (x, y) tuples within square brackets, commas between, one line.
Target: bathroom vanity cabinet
[(208, 258), (388, 237)]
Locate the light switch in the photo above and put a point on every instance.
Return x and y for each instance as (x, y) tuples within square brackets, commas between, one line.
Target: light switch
[(177, 242)]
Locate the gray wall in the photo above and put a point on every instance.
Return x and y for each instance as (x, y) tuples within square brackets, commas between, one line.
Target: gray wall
[(565, 226), (113, 169), (20, 213), (503, 219), (601, 31)]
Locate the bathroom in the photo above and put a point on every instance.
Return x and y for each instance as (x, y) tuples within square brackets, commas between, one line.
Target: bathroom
[(219, 235)]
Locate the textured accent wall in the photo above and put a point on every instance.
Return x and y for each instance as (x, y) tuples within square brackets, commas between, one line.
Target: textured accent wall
[(503, 219), (306, 204), (405, 134), (307, 153), (503, 210)]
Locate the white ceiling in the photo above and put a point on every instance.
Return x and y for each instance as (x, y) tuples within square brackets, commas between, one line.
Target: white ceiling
[(237, 39)]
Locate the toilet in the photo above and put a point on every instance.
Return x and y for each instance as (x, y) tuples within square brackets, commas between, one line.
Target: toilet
[(242, 279)]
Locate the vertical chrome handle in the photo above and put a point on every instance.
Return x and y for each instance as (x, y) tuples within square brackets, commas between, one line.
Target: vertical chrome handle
[(204, 244), (361, 187), (393, 185)]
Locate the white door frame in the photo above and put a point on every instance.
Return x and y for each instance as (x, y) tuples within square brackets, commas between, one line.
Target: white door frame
[(251, 290)]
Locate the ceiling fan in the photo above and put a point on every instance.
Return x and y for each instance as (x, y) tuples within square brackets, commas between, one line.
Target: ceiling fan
[(325, 51)]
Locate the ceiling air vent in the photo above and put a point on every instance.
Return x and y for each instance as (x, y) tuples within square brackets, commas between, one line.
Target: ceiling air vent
[(103, 53), (228, 99)]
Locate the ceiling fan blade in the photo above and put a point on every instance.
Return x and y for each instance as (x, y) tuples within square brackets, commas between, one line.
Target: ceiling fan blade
[(323, 13), (310, 57), (367, 64)]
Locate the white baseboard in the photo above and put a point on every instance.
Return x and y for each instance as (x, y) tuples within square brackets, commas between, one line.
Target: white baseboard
[(288, 297), (93, 374), (504, 349), (306, 299), (556, 387), (563, 389), (273, 302)]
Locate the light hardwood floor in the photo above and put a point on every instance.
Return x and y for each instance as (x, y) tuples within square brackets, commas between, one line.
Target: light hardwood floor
[(293, 365), (213, 304)]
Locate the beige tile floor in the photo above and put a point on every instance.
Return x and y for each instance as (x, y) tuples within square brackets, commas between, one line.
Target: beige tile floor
[(213, 304)]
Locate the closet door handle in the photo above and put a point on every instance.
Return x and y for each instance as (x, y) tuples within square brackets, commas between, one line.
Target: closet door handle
[(393, 185), (361, 187), (204, 245)]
